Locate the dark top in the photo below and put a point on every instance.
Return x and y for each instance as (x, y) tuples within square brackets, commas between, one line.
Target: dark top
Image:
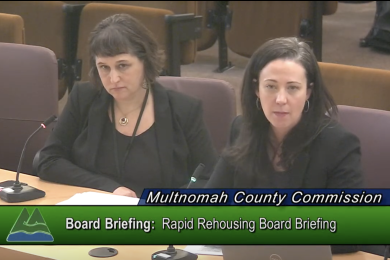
[(70, 155), (276, 179), (142, 156), (333, 162), (279, 180)]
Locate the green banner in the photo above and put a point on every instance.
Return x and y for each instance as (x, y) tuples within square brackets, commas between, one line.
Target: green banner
[(194, 225)]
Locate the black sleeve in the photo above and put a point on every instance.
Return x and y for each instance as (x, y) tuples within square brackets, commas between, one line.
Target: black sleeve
[(345, 169), (223, 174), (200, 145), (235, 130), (55, 162), (345, 172)]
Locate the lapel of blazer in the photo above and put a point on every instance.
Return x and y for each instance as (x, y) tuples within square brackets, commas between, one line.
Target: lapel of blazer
[(298, 171), (164, 132), (96, 120)]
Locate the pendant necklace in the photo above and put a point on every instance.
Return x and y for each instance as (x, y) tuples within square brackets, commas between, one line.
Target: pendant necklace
[(123, 121)]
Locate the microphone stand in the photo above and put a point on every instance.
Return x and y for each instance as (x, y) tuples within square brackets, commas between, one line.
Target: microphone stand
[(174, 254), (20, 192), (177, 254)]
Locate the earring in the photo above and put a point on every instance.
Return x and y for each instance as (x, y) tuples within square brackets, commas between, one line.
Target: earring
[(308, 106), (258, 104), (145, 84)]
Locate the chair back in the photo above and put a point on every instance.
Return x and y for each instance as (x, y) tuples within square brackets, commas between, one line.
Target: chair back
[(45, 25), (218, 102), (357, 86), (255, 22), (372, 127), (11, 28), (201, 8), (28, 96)]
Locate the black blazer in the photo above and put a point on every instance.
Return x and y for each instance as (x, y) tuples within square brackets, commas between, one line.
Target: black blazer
[(333, 162), (183, 141)]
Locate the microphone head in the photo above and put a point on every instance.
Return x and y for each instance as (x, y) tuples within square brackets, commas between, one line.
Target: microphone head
[(196, 174), (49, 121)]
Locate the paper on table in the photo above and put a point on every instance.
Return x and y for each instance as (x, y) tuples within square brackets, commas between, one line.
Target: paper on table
[(96, 198), (204, 250)]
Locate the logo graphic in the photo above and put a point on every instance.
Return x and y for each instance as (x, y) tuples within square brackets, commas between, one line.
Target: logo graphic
[(30, 228)]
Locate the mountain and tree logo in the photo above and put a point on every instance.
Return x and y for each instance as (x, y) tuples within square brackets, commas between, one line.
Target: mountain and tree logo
[(30, 228)]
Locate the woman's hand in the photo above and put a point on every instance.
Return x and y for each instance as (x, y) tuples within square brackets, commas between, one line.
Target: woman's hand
[(123, 191)]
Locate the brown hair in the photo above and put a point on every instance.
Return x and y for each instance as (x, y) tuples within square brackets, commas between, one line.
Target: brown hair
[(120, 34), (255, 123)]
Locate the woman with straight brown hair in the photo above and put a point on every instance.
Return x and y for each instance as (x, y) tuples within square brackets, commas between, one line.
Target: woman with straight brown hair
[(288, 135)]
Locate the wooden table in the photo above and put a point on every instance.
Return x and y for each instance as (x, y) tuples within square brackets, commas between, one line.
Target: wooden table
[(56, 193), (81, 252), (137, 253)]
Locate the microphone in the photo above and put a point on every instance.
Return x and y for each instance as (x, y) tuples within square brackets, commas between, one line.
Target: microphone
[(196, 175), (174, 254), (20, 192), (177, 254)]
